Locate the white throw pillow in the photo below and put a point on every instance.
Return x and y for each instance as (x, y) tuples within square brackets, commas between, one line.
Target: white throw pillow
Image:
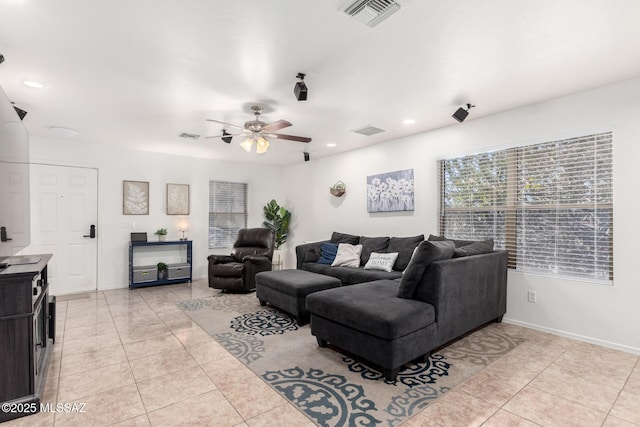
[(379, 261), (347, 256)]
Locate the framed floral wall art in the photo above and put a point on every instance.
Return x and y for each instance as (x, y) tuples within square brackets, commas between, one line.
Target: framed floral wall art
[(135, 198), (390, 191), (177, 199)]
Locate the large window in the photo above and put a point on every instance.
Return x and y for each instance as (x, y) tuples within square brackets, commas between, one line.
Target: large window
[(550, 205), (227, 212)]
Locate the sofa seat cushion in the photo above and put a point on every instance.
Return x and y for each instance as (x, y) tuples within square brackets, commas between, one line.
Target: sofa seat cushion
[(230, 269), (350, 276), (372, 308)]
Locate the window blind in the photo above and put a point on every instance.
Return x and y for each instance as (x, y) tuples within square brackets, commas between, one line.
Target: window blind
[(549, 205), (227, 212)]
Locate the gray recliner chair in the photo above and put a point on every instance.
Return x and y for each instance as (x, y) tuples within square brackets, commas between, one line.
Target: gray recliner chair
[(252, 253)]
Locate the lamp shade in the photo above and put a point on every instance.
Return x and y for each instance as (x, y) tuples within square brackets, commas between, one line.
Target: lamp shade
[(246, 144), (262, 145)]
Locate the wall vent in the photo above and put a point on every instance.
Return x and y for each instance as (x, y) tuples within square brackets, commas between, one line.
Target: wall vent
[(371, 12), (368, 130), (189, 135)]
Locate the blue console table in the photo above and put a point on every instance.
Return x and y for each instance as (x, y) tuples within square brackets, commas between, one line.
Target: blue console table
[(186, 268)]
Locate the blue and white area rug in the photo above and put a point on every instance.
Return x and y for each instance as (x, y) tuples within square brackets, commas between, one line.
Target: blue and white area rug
[(330, 387)]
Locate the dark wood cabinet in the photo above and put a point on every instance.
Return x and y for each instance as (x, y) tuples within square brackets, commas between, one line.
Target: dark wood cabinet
[(26, 335)]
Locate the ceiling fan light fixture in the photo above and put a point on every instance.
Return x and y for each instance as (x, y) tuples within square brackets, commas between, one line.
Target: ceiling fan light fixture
[(257, 131), (262, 145), (246, 144)]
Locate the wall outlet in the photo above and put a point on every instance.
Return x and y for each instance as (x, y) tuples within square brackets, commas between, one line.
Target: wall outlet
[(531, 296)]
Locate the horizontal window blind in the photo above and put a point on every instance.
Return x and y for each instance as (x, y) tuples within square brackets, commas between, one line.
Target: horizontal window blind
[(549, 205), (227, 212)]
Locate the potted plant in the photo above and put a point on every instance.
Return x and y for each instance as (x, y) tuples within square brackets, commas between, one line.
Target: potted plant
[(277, 219), (162, 234), (162, 270)]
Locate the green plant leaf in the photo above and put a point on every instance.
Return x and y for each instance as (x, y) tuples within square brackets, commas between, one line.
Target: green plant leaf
[(277, 219)]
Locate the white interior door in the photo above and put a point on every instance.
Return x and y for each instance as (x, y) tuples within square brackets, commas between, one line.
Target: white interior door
[(64, 206)]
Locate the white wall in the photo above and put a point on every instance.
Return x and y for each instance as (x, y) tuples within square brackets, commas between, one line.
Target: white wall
[(598, 313), (604, 314), (115, 165)]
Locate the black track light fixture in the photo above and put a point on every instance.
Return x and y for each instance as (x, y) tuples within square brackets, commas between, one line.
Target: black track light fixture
[(300, 90), (1, 58), (226, 138), (307, 157), (462, 113)]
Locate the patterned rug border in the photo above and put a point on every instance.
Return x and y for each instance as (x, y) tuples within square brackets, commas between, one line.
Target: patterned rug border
[(342, 398)]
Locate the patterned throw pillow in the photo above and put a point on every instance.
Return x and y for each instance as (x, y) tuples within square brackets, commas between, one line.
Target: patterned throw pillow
[(379, 261)]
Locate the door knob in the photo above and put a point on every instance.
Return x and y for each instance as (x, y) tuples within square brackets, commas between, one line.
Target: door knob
[(92, 232)]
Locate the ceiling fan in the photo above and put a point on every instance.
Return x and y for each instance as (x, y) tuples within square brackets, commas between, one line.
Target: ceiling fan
[(257, 131)]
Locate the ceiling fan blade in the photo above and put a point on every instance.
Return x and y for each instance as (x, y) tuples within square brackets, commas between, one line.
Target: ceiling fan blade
[(290, 137), (225, 123), (225, 135), (280, 124)]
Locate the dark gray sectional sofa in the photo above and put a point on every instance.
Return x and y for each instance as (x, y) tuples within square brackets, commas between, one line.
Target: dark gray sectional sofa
[(307, 257), (390, 322)]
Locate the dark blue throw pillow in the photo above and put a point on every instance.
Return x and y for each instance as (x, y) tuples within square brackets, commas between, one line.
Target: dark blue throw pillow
[(328, 254)]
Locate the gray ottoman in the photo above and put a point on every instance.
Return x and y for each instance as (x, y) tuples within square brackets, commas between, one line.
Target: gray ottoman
[(288, 290)]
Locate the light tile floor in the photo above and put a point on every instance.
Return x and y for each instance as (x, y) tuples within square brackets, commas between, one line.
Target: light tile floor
[(134, 359)]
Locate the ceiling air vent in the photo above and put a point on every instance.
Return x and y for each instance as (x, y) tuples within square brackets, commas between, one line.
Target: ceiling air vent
[(368, 130), (371, 12)]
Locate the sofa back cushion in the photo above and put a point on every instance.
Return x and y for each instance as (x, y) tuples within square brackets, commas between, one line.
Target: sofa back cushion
[(405, 247), (328, 253), (426, 253), (475, 248), (371, 245), (457, 243), (344, 238)]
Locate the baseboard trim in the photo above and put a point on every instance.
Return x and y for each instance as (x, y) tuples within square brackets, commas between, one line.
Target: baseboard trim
[(590, 340), (112, 287)]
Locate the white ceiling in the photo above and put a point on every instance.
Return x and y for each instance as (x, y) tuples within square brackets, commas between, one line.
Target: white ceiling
[(138, 73)]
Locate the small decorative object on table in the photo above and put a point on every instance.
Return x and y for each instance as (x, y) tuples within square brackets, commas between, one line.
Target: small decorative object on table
[(162, 270), (338, 189), (162, 234)]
